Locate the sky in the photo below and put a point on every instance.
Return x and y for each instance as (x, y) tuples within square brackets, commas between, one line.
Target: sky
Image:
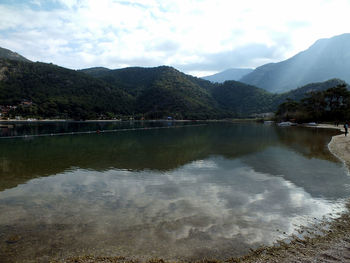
[(198, 37)]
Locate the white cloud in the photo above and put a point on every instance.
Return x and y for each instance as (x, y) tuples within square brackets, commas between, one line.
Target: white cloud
[(184, 34)]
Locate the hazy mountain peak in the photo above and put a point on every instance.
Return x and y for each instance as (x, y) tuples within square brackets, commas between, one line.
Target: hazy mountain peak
[(228, 74), (326, 59)]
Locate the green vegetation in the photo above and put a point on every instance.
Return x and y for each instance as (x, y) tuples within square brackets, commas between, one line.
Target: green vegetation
[(327, 105), (243, 99), (58, 92), (163, 91), (303, 92), (40, 90)]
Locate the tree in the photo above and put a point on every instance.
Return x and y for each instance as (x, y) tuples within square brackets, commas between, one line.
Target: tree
[(288, 110), (332, 104)]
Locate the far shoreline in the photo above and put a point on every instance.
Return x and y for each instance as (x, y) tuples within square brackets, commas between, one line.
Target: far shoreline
[(127, 120)]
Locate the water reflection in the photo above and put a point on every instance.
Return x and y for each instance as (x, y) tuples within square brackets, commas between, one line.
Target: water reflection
[(320, 178), (20, 128), (23, 159), (184, 213), (188, 193)]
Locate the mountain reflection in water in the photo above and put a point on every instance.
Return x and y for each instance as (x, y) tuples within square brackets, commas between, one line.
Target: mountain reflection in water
[(189, 193)]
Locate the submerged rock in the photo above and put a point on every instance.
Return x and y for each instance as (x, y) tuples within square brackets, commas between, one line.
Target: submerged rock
[(13, 239)]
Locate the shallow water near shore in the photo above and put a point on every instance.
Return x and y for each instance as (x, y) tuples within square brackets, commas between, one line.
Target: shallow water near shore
[(212, 191)]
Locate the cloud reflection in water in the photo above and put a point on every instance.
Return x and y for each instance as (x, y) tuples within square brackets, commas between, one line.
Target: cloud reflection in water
[(208, 208)]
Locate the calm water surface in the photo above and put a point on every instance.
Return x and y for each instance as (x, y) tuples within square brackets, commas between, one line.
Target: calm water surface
[(184, 193)]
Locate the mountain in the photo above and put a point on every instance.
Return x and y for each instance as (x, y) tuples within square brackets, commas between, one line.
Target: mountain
[(228, 74), (245, 100), (8, 54), (46, 90), (242, 99), (325, 59), (302, 92), (162, 91), (53, 91)]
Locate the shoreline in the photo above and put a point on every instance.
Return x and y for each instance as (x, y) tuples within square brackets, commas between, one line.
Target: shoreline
[(124, 120), (327, 241)]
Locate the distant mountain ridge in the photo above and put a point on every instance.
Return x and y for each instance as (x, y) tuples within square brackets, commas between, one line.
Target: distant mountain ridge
[(231, 98), (325, 59), (151, 93), (228, 74), (95, 70)]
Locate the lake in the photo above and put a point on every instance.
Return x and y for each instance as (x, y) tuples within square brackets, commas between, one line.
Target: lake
[(165, 189)]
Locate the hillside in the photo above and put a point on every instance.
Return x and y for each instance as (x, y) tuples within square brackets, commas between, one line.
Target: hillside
[(58, 92), (228, 74), (46, 90), (326, 59), (165, 90), (162, 91), (133, 79), (8, 54), (302, 92), (243, 99)]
